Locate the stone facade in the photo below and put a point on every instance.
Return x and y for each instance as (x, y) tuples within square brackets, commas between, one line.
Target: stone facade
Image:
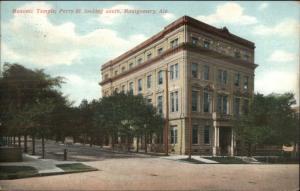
[(210, 75)]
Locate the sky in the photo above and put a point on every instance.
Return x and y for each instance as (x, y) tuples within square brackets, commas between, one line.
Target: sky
[(57, 37)]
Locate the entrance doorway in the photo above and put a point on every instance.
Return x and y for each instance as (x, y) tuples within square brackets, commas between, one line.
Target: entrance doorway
[(225, 140)]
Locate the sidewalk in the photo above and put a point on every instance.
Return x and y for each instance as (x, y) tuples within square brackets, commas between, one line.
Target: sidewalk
[(44, 166), (198, 158)]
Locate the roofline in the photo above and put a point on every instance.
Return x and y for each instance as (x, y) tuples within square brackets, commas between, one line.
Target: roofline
[(185, 20), (182, 46)]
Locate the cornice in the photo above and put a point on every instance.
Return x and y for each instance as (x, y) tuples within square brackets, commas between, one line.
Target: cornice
[(182, 46), (185, 20)]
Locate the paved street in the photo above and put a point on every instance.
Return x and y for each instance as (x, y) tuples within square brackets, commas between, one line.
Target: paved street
[(131, 171), (162, 174), (79, 152)]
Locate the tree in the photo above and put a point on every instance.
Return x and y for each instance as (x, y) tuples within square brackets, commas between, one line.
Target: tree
[(269, 121), (22, 88), (125, 115)]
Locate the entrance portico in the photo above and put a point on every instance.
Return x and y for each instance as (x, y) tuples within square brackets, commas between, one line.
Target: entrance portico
[(223, 139)]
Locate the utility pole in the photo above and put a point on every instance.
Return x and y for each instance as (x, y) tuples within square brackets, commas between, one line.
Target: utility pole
[(190, 113), (0, 69), (167, 114)]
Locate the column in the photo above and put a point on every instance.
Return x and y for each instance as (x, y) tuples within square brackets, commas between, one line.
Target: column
[(216, 139), (110, 141), (232, 144)]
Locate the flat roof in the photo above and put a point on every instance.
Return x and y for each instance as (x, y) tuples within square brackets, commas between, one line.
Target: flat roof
[(185, 20)]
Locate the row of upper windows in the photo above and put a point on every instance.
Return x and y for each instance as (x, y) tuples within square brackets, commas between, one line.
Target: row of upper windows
[(139, 60), (222, 76), (221, 47), (222, 103), (173, 75), (218, 46)]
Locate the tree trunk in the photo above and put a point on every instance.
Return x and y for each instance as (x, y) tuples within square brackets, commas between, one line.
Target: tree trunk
[(127, 142), (101, 140), (137, 143), (43, 146), (146, 143), (295, 150), (113, 142), (25, 143), (33, 144), (249, 150), (91, 141), (19, 141)]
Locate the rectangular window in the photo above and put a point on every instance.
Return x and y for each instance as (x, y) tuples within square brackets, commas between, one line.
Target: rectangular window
[(206, 73), (206, 44), (130, 65), (194, 70), (206, 135), (222, 76), (195, 134), (194, 40), (174, 135), (131, 87), (160, 77), (174, 43), (116, 72), (224, 111), (237, 54), (219, 103), (159, 51), (174, 101), (246, 82), (149, 56), (236, 106), (246, 106), (222, 101), (174, 72), (123, 88), (206, 104), (237, 79), (194, 100), (149, 78), (139, 60), (160, 104), (149, 100), (140, 85), (247, 57), (106, 77)]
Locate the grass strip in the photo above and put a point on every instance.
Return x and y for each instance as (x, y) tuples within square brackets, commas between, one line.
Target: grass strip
[(227, 160), (14, 172), (75, 167), (194, 161)]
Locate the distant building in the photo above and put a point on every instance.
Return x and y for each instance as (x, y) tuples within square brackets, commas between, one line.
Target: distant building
[(212, 64)]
